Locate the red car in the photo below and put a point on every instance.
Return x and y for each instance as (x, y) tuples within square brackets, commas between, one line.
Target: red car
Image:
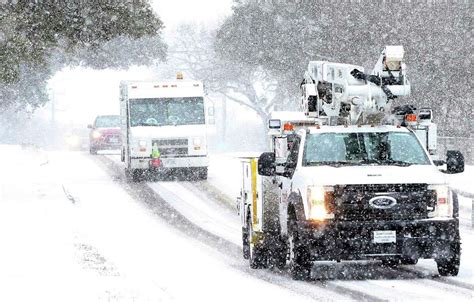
[(105, 133)]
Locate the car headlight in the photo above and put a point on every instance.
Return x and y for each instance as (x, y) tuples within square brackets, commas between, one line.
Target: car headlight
[(318, 202), (197, 141), (96, 134), (444, 202)]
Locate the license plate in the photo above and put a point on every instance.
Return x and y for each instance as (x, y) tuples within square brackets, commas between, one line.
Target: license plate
[(113, 140), (385, 237)]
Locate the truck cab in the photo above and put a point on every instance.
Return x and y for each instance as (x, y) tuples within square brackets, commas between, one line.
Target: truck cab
[(164, 127)]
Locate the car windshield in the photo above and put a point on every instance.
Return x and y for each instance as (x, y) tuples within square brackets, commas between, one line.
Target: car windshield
[(107, 121), (379, 148), (167, 111)]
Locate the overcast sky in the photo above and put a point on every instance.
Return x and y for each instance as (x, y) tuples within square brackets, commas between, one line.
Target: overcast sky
[(174, 12), (82, 93)]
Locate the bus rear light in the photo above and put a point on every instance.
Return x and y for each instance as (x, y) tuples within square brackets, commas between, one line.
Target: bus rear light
[(155, 163)]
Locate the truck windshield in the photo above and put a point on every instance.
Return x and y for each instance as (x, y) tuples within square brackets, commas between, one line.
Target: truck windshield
[(107, 121), (379, 148), (167, 111)]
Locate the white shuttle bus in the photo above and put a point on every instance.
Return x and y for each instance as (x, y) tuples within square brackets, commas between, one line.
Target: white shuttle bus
[(163, 127)]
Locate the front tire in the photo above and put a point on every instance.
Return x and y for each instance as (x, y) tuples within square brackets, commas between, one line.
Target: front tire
[(299, 256), (449, 266)]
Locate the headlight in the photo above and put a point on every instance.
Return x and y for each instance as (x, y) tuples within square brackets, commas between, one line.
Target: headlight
[(96, 134), (318, 202), (444, 202), (197, 141)]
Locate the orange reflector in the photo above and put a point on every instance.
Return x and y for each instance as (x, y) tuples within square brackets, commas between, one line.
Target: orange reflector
[(288, 127), (410, 117)]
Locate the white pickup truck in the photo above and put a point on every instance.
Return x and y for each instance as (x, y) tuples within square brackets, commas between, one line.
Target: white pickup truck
[(349, 193)]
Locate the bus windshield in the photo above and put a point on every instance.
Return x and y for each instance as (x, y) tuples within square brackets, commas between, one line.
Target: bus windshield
[(167, 111)]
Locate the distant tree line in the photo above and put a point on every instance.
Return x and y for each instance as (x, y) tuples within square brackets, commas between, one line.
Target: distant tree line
[(281, 37)]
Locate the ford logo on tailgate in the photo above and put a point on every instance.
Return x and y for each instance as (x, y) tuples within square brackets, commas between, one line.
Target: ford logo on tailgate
[(382, 202)]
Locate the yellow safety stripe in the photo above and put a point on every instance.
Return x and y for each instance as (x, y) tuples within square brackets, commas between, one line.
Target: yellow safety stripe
[(253, 166)]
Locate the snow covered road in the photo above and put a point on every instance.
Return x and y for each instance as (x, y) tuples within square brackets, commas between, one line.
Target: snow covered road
[(72, 229)]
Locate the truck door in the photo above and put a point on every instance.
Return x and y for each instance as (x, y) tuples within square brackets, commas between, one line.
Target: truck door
[(286, 181)]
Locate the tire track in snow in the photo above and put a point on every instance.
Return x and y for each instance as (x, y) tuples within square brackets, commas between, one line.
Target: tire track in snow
[(142, 192)]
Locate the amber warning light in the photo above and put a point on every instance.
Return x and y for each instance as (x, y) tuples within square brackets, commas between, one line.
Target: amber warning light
[(410, 117), (288, 127)]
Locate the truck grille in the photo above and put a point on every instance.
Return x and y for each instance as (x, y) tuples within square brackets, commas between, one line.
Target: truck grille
[(351, 202), (172, 147)]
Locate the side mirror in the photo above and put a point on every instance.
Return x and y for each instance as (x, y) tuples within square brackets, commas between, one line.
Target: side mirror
[(266, 164), (454, 162), (89, 126)]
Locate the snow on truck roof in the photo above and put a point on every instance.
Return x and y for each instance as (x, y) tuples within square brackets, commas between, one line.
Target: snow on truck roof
[(162, 89), (145, 83), (355, 128)]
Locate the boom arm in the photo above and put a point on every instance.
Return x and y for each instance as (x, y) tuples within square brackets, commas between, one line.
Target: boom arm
[(343, 93)]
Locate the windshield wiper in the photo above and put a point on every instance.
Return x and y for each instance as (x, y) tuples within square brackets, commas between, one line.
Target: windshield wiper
[(401, 163), (335, 164), (388, 162)]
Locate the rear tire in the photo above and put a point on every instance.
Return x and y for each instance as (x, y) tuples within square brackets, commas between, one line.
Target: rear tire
[(245, 243), (408, 261), (133, 175), (278, 253), (391, 263), (257, 253)]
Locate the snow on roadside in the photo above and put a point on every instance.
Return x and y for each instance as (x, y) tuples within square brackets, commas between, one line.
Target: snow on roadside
[(99, 245)]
